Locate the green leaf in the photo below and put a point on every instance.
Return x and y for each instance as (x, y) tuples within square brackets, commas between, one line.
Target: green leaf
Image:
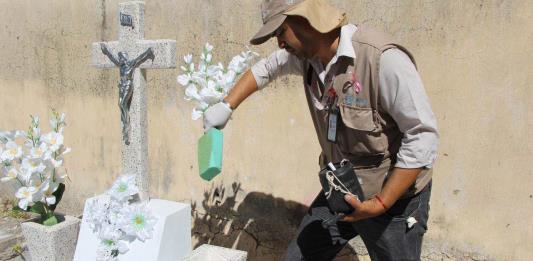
[(39, 208), (50, 221)]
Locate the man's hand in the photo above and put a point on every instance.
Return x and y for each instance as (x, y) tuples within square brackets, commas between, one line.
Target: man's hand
[(217, 116), (399, 181), (366, 209)]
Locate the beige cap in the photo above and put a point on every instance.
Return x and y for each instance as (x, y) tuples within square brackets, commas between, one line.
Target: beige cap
[(322, 16)]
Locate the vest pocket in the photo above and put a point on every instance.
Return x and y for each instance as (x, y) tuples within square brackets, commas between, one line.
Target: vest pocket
[(358, 136), (357, 118)]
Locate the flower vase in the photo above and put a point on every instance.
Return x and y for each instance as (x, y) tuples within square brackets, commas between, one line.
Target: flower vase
[(51, 243)]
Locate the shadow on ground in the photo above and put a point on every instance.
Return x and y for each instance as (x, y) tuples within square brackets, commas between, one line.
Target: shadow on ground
[(258, 223)]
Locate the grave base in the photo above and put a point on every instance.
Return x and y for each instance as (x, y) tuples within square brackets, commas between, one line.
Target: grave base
[(171, 239)]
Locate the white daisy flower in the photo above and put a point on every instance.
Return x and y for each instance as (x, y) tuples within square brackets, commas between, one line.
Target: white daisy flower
[(123, 188), (111, 243), (139, 222)]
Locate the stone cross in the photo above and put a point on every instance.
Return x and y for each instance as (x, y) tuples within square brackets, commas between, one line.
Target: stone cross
[(131, 41)]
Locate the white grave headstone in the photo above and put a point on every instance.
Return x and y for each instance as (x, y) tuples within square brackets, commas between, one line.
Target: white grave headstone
[(171, 239)]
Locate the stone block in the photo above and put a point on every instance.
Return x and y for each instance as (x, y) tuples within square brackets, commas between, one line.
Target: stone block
[(215, 253), (52, 243)]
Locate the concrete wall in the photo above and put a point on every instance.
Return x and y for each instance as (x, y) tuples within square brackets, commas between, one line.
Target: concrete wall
[(474, 57)]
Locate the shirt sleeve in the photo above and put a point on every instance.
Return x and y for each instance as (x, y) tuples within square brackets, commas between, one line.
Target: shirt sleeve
[(279, 63), (402, 95)]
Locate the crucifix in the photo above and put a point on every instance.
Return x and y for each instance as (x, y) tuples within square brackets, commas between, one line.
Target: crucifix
[(150, 54), (171, 238)]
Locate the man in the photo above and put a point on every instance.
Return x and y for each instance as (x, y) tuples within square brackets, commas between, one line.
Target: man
[(385, 127)]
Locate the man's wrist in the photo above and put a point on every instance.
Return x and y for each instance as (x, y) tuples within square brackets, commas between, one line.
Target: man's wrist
[(227, 104), (381, 202)]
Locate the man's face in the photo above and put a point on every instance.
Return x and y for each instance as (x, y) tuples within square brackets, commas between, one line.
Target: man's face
[(291, 37)]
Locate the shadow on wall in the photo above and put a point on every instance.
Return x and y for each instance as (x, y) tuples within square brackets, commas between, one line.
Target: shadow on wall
[(261, 224)]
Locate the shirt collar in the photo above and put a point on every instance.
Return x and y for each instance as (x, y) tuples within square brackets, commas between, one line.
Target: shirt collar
[(345, 47)]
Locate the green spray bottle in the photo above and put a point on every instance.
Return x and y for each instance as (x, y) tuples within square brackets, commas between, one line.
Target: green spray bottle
[(210, 153)]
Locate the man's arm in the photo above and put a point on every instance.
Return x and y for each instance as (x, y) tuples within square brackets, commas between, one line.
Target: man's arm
[(277, 64), (244, 88), (219, 114), (402, 95), (398, 183), (263, 72)]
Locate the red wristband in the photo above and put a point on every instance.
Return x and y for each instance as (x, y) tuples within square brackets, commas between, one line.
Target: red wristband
[(381, 202)]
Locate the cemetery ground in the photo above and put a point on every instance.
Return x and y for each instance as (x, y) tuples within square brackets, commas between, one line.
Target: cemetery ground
[(251, 231), (206, 229), (12, 246)]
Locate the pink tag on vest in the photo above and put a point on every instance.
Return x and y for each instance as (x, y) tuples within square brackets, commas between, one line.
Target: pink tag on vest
[(355, 83)]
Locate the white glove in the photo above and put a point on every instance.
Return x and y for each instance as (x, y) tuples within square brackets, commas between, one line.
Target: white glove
[(217, 116)]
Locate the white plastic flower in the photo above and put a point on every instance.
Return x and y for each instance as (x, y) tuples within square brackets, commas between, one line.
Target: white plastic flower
[(32, 165), (6, 136), (54, 140), (196, 114), (57, 121), (35, 132), (40, 152), (208, 47), (123, 188), (97, 211), (111, 243), (187, 58), (210, 95), (25, 196), (104, 253), (210, 83), (12, 151), (11, 174), (139, 222), (191, 93), (47, 188), (116, 222), (206, 57), (184, 79)]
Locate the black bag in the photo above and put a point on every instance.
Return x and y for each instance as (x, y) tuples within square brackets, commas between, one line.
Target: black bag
[(336, 184)]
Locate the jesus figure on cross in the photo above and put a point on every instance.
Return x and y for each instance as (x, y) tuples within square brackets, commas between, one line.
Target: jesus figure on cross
[(125, 86)]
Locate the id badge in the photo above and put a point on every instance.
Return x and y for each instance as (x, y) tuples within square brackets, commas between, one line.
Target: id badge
[(332, 125)]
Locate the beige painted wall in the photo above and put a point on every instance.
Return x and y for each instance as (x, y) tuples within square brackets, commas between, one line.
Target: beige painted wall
[(474, 57)]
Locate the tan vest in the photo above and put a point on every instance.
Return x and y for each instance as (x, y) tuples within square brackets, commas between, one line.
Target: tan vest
[(366, 135)]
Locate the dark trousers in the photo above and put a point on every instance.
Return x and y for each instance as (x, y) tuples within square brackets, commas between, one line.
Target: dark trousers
[(386, 237)]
